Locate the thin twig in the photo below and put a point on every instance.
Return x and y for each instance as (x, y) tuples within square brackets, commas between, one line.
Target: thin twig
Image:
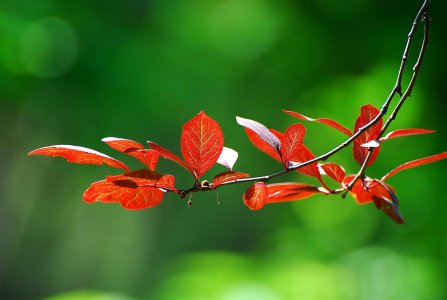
[(423, 16)]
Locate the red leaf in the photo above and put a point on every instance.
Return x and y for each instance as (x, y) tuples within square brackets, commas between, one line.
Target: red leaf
[(363, 191), (80, 155), (289, 191), (302, 155), (263, 132), (328, 122), (255, 196), (145, 178), (227, 176), (128, 196), (146, 156), (169, 155), (372, 190), (292, 141), (227, 158), (387, 201), (122, 145), (262, 145), (334, 171), (405, 132), (201, 143), (416, 163), (367, 114)]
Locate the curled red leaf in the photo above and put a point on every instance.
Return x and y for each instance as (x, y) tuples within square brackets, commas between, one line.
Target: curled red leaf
[(122, 145), (262, 144), (388, 202), (201, 143), (256, 195), (80, 155), (227, 176), (263, 132), (147, 156), (291, 191), (325, 121)]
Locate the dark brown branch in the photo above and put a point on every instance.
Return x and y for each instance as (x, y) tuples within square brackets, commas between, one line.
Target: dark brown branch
[(422, 16)]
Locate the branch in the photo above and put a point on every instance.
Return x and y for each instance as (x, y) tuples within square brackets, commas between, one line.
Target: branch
[(422, 16)]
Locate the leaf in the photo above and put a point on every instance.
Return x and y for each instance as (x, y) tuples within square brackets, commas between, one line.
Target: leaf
[(328, 122), (302, 155), (292, 141), (227, 158), (416, 163), (122, 145), (262, 131), (388, 202), (262, 145), (405, 132), (147, 156), (256, 195), (367, 114), (129, 197), (80, 155), (201, 143), (169, 155), (227, 176), (334, 171), (290, 191), (145, 178), (380, 193)]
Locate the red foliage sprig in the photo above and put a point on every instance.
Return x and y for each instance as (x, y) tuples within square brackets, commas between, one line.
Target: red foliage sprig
[(202, 147)]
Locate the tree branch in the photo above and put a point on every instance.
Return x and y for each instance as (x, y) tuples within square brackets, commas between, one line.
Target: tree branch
[(421, 17)]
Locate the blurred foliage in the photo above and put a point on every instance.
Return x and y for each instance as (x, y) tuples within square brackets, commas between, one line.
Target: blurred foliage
[(74, 72)]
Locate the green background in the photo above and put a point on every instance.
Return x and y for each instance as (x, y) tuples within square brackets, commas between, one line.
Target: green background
[(73, 72)]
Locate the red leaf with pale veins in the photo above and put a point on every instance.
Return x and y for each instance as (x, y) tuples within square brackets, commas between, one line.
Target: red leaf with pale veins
[(227, 176), (169, 155), (147, 156), (334, 171), (416, 163), (201, 143), (130, 197), (325, 121), (290, 191), (145, 178), (367, 114), (255, 196), (292, 141), (405, 132), (262, 145), (80, 155)]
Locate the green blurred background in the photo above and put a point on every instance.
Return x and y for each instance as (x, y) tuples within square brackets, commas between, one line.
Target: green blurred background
[(73, 72)]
